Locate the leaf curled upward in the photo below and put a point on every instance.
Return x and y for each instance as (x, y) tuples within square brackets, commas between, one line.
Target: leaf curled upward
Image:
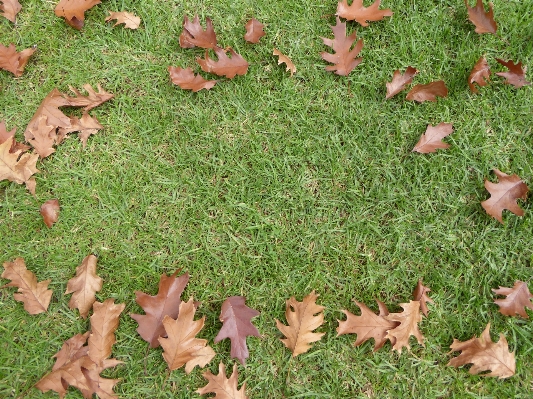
[(343, 59), (193, 34), (517, 299), (254, 31), (399, 81), (282, 58), (408, 319), (357, 12), (516, 75), (187, 80), (484, 21), (480, 74), (225, 66), (431, 140), (427, 92), (84, 286), (420, 294), (10, 9), (223, 387)]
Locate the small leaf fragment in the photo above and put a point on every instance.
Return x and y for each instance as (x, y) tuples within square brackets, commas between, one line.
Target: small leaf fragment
[(480, 74), (427, 92), (84, 286), (517, 299), (254, 31), (399, 81), (187, 80), (129, 20), (282, 58), (516, 75), (430, 141), (484, 21), (504, 195), (50, 212), (420, 294)]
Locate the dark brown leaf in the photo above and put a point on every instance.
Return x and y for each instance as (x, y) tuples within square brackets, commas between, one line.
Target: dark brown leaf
[(343, 59), (50, 212), (504, 195), (187, 80), (225, 66), (479, 74), (358, 12), (254, 31), (516, 75), (431, 140), (517, 299), (193, 34), (427, 92), (399, 81), (484, 21)]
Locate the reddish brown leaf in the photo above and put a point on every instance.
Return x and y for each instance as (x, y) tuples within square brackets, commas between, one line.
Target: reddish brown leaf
[(504, 195), (254, 31), (428, 92), (358, 12), (94, 99), (36, 296), (165, 303), (479, 74), (484, 21), (431, 140), (42, 137), (223, 387), (343, 58), (193, 34), (84, 286), (187, 80), (74, 11), (408, 319), (420, 294), (50, 212), (10, 8), (517, 299), (104, 323), (86, 125), (225, 66), (15, 62), (129, 20), (236, 318), (399, 81), (49, 108), (282, 58), (516, 75), (16, 167)]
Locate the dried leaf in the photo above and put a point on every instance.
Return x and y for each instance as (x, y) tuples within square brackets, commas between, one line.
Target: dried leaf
[(104, 323), (86, 125), (15, 62), (5, 135), (84, 286), (193, 34), (94, 99), (50, 212), (187, 80), (15, 167), (49, 108), (517, 299), (485, 355), (368, 325), (479, 74), (343, 58), (420, 294), (504, 195), (399, 81), (223, 387), (74, 11), (10, 8), (302, 321), (282, 58), (42, 137), (484, 21), (428, 92), (236, 318), (225, 66), (516, 75), (408, 319), (358, 12), (430, 141), (36, 296), (129, 20), (254, 31)]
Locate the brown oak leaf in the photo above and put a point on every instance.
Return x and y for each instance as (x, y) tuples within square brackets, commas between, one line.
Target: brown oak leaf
[(165, 303), (14, 61), (368, 325), (5, 135), (36, 296), (408, 319), (49, 108), (420, 294), (504, 195), (236, 318), (399, 81), (129, 20), (74, 11), (358, 12), (282, 58), (16, 167), (223, 387), (480, 74), (485, 355), (104, 323), (517, 299), (430, 141), (254, 31), (50, 212), (225, 66), (84, 286), (193, 34), (343, 58), (427, 92), (10, 9), (86, 126), (182, 347), (42, 137), (302, 321), (516, 75), (484, 21), (187, 80), (92, 100)]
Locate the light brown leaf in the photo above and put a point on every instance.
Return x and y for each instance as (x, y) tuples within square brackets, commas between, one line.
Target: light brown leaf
[(187, 80), (399, 81), (49, 108), (84, 286), (479, 74), (94, 99), (223, 387), (50, 212), (10, 8), (430, 141), (368, 325), (484, 21), (254, 31), (42, 137), (74, 11), (408, 319), (129, 20), (428, 92), (282, 58), (516, 75), (35, 296), (517, 299), (343, 58), (15, 167), (225, 66), (358, 12), (504, 195), (5, 135), (104, 322), (15, 62), (302, 321), (86, 125), (193, 34), (420, 294), (485, 355)]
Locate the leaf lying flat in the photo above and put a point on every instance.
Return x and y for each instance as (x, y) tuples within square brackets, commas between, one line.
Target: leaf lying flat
[(86, 126), (84, 286), (50, 212), (92, 100), (484, 21), (10, 9), (129, 20), (16, 167), (225, 66), (254, 31), (104, 323), (282, 58), (193, 34), (517, 299), (408, 319), (420, 294), (427, 92), (343, 59), (480, 74), (430, 141), (357, 12), (15, 62), (74, 11), (223, 387), (187, 80), (504, 195), (516, 75), (10, 135), (42, 137), (399, 81)]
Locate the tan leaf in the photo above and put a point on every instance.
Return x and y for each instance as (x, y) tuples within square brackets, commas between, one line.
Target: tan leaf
[(86, 125), (282, 58), (94, 99), (358, 12), (302, 321), (74, 11), (408, 319), (517, 299), (10, 8), (187, 80), (36, 296), (193, 34), (484, 21), (84, 286), (50, 212), (42, 137), (368, 325), (223, 387), (254, 31), (15, 62), (104, 322), (479, 74), (129, 20), (420, 294), (431, 140), (225, 66), (399, 81), (5, 135), (343, 58), (15, 167), (485, 355), (516, 75), (428, 92), (504, 195), (49, 108)]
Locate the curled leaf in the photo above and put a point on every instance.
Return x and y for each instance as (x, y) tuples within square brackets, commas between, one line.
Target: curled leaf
[(516, 75), (399, 81), (427, 92), (282, 58), (50, 212), (479, 74)]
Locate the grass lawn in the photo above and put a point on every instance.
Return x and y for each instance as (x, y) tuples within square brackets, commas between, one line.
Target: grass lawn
[(269, 187)]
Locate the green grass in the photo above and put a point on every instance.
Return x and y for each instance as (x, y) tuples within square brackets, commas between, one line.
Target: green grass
[(269, 186)]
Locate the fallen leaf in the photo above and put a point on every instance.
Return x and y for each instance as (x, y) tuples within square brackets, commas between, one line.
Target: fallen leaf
[(187, 80), (5, 135), (193, 34), (223, 387), (86, 125), (50, 212), (484, 21), (94, 99), (343, 58), (368, 325), (10, 8), (165, 303), (427, 92), (129, 20), (225, 66), (74, 11), (181, 345), (42, 137), (517, 299), (104, 323), (84, 286), (485, 355), (282, 58), (399, 81), (36, 296), (408, 319), (15, 62), (479, 74), (236, 318), (16, 167), (420, 294), (516, 75), (504, 195), (430, 141), (358, 12), (254, 31), (49, 108), (302, 321)]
